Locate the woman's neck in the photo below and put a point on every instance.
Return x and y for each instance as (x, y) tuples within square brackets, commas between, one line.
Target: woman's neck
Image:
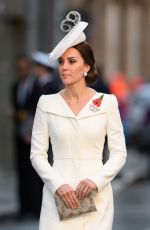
[(76, 93)]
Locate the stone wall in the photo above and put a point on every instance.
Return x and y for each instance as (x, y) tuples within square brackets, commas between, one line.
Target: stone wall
[(11, 41)]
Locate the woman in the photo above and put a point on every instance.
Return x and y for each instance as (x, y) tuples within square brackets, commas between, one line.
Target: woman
[(76, 120)]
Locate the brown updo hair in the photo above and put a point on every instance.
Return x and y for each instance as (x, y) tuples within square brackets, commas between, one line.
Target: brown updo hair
[(87, 54)]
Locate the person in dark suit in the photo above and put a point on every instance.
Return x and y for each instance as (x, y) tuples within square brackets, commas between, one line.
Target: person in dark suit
[(47, 82), (20, 98)]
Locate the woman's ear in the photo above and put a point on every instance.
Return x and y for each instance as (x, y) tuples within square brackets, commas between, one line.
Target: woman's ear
[(87, 68)]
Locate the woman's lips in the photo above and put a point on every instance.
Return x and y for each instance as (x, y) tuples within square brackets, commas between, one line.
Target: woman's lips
[(65, 75)]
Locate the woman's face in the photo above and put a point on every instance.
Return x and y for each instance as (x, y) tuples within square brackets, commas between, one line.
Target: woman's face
[(71, 67)]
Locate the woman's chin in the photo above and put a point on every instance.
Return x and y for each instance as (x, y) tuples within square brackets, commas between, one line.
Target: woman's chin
[(67, 82)]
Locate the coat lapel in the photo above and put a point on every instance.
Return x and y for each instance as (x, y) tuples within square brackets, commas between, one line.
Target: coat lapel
[(54, 104), (88, 112)]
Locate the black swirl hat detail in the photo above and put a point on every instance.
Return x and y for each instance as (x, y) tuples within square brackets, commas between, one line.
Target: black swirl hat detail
[(75, 35)]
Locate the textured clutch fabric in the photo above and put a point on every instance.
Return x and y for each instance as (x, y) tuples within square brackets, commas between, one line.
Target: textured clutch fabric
[(87, 205)]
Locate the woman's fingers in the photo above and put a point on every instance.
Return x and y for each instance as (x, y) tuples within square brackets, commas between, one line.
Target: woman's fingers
[(69, 196), (85, 192), (69, 202), (73, 199), (80, 188), (84, 188), (66, 201)]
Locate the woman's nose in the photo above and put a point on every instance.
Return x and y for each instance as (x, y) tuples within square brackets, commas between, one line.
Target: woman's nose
[(65, 65)]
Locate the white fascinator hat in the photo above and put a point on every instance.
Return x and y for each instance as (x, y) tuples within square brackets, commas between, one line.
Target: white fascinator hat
[(75, 35)]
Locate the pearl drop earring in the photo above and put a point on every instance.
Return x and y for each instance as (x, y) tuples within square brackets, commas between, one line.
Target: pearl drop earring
[(85, 74)]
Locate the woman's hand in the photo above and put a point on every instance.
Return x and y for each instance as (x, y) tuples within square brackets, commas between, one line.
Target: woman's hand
[(68, 196), (84, 188)]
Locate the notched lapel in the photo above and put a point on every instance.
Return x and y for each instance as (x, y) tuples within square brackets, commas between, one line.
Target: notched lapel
[(54, 105)]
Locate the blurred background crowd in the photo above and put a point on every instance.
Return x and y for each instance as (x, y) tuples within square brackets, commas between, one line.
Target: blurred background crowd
[(119, 32)]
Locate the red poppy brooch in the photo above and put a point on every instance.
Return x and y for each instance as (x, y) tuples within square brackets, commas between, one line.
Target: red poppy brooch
[(96, 103)]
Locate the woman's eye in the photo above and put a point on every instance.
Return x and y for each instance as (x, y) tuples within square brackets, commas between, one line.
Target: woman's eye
[(72, 61), (60, 62)]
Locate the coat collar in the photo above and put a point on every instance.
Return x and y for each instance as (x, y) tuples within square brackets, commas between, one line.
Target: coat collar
[(55, 104)]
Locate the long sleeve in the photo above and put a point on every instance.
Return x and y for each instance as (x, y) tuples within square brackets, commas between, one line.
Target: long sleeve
[(116, 145), (39, 148)]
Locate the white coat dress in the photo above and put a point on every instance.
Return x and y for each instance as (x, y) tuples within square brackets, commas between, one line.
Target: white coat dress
[(77, 143)]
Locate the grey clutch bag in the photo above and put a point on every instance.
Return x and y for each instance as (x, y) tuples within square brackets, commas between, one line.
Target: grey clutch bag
[(87, 205)]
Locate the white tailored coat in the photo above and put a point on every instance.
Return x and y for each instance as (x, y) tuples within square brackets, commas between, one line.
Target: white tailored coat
[(77, 143)]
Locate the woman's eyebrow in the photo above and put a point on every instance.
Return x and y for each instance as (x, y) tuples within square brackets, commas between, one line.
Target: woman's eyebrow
[(67, 58), (71, 57)]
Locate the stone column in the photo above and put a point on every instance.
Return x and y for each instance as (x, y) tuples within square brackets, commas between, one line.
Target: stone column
[(59, 10), (146, 43), (32, 25), (133, 39), (112, 39), (97, 30), (12, 42)]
